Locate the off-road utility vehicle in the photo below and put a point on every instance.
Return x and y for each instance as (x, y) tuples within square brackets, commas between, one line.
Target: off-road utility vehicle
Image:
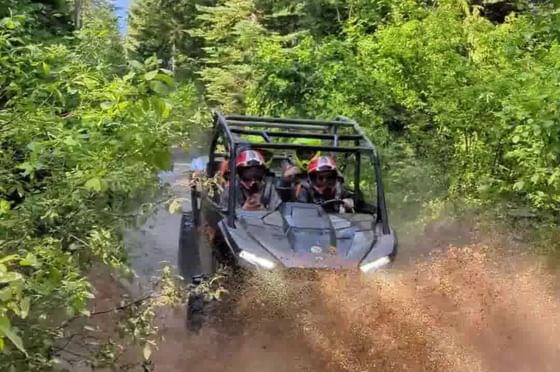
[(295, 235)]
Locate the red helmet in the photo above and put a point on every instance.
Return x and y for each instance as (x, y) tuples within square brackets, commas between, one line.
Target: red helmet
[(322, 163), (249, 158), (251, 169), (324, 184)]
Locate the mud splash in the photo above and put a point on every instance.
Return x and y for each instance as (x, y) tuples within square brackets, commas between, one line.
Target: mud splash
[(467, 309)]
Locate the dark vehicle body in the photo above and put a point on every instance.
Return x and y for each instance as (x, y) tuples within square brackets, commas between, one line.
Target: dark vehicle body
[(294, 235)]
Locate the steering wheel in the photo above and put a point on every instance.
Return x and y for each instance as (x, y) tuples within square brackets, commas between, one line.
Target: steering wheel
[(331, 201), (339, 202)]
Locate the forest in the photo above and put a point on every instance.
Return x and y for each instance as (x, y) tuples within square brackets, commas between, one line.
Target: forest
[(462, 97)]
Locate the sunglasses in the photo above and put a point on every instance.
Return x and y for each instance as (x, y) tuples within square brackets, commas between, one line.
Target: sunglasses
[(252, 178), (322, 177), (252, 175)]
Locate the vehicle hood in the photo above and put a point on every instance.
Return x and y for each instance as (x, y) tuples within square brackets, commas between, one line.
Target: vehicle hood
[(300, 235)]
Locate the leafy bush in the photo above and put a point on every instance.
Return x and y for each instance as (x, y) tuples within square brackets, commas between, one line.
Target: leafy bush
[(475, 100), (82, 139)]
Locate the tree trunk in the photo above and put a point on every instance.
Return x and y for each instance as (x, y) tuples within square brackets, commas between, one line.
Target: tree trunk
[(78, 6), (173, 54)]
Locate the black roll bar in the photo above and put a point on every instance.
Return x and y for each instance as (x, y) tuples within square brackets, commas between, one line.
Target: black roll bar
[(381, 203), (234, 124), (327, 136), (253, 120)]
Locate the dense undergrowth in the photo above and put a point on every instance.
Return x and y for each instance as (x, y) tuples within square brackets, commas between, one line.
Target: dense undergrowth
[(461, 97), (83, 132)]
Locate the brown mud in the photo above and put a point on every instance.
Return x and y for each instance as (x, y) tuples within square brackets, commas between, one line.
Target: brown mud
[(466, 309)]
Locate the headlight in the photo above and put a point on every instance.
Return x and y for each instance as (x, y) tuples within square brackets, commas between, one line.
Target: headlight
[(256, 260), (375, 265)]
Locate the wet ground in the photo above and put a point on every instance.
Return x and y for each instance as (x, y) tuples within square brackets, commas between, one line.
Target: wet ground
[(156, 243), (471, 307)]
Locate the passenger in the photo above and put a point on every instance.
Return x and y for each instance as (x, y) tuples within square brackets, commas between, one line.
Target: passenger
[(324, 185), (223, 173), (294, 174), (253, 190)]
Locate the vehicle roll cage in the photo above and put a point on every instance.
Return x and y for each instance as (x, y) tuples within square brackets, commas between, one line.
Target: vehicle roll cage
[(232, 125)]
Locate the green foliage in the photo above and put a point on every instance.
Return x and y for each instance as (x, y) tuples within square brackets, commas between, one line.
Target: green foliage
[(473, 97), (231, 32), (468, 88), (461, 96), (162, 28), (82, 137)]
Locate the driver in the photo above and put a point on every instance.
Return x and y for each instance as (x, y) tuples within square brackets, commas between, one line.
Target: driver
[(253, 191), (324, 185)]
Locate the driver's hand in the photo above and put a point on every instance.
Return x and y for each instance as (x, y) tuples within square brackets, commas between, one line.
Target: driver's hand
[(253, 203), (348, 203)]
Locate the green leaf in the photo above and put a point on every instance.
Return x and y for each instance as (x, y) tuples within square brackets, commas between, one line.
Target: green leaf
[(6, 294), (4, 206), (8, 277), (24, 307), (46, 68), (166, 79), (71, 142), (94, 184), (129, 76), (8, 258), (6, 330), (147, 352), (29, 260), (159, 88), (9, 23), (519, 185), (27, 167), (175, 206), (150, 75), (136, 65), (106, 105)]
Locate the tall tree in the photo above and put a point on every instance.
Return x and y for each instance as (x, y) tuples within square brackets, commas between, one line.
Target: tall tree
[(161, 28), (231, 32)]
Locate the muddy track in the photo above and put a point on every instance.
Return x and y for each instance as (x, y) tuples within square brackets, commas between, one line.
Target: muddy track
[(469, 307)]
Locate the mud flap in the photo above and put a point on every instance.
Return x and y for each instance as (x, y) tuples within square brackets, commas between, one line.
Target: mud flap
[(197, 264), (195, 251)]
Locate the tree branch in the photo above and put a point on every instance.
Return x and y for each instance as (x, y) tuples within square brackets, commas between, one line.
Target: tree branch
[(123, 307)]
